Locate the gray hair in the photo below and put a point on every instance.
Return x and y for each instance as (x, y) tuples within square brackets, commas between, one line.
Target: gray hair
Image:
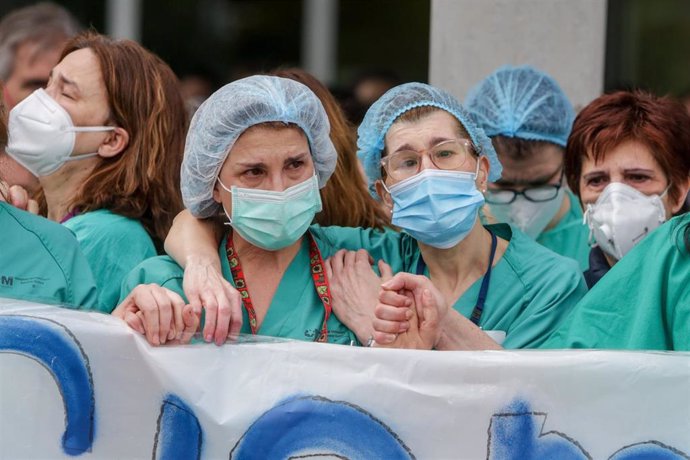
[(44, 23)]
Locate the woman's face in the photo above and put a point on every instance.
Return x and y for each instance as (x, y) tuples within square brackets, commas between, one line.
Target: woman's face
[(77, 85), (630, 163), (266, 159), (422, 135)]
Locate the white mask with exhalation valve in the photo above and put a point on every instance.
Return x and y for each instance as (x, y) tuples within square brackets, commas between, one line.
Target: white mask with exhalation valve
[(41, 134), (622, 216)]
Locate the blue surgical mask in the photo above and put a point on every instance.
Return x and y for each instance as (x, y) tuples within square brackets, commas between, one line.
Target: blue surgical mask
[(437, 207), (274, 220)]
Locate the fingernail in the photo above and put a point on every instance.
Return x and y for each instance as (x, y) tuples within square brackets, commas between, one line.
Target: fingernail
[(408, 314), (390, 338), (209, 338), (402, 327)]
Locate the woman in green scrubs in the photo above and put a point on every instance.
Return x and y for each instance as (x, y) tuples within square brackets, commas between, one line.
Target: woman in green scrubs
[(106, 150), (643, 302), (257, 152), (40, 260)]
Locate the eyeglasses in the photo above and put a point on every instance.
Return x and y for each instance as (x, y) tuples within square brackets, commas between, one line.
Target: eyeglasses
[(536, 194), (447, 155), (539, 194)]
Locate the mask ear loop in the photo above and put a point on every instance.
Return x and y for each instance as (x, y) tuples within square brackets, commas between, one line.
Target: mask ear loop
[(227, 214), (586, 221), (86, 129)]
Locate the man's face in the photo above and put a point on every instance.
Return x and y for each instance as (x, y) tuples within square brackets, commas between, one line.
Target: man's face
[(32, 65)]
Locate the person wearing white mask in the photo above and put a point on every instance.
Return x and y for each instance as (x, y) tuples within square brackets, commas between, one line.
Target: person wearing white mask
[(628, 158), (528, 118), (105, 138), (628, 161)]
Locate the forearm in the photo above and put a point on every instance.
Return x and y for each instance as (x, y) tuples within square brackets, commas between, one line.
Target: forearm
[(194, 240), (459, 333)]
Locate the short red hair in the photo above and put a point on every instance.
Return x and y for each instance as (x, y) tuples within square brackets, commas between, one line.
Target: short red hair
[(660, 123)]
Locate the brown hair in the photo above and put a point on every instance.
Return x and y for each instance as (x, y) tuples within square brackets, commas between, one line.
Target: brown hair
[(660, 123), (346, 200), (3, 121), (143, 182)]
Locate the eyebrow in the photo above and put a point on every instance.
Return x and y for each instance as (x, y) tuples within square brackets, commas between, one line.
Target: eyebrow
[(299, 156), (66, 81), (638, 170), (625, 171), (433, 142), (261, 164)]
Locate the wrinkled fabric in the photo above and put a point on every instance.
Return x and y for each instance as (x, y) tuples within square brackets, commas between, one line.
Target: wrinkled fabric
[(521, 102)]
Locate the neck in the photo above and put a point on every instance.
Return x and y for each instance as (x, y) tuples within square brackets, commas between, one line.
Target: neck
[(61, 187), (451, 268), (562, 211), (255, 256)]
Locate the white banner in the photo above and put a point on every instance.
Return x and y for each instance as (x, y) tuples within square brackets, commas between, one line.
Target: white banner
[(75, 384)]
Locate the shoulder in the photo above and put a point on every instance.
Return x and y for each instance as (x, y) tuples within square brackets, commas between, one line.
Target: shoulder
[(333, 238), (536, 265), (104, 227), (52, 235), (105, 220)]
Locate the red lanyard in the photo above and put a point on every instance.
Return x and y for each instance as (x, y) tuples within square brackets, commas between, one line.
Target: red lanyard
[(317, 273)]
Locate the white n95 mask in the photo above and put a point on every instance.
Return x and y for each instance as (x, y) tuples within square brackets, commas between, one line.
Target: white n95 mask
[(41, 134), (622, 216), (529, 216)]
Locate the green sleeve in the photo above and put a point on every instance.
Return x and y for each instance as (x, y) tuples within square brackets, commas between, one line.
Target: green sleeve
[(113, 246), (161, 270), (551, 302), (387, 245)]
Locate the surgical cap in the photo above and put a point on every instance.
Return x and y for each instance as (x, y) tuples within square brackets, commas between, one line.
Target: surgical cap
[(230, 111), (396, 101), (522, 102)]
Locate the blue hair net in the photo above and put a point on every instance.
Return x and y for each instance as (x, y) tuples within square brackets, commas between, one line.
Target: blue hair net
[(396, 101), (522, 102), (234, 108)]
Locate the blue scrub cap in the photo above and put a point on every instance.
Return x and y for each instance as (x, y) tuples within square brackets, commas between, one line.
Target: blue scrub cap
[(230, 111), (396, 101), (522, 102)]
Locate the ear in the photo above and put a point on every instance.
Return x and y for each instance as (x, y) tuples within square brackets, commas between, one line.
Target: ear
[(115, 143), (383, 194), (483, 173), (676, 206), (216, 193)]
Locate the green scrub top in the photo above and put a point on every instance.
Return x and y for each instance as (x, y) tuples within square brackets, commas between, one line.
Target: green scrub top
[(642, 303), (40, 261), (296, 310), (570, 237), (531, 290), (113, 245)]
